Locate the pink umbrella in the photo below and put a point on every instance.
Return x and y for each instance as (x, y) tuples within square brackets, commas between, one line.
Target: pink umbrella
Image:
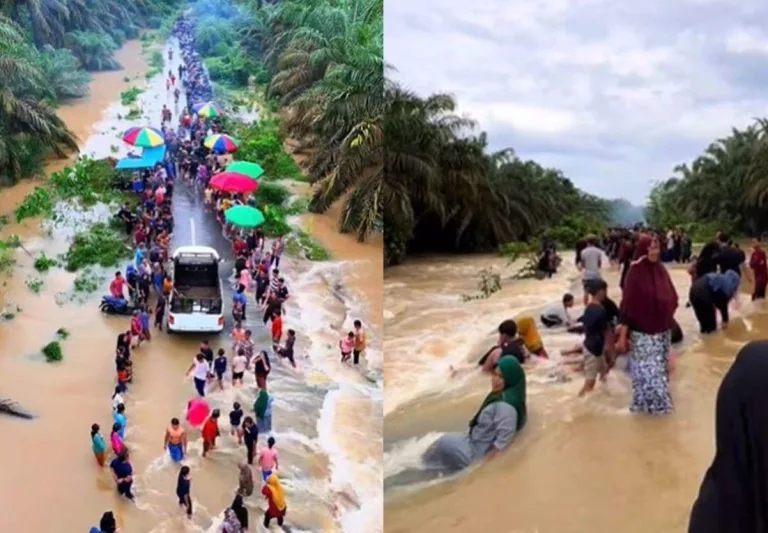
[(197, 412), (233, 182)]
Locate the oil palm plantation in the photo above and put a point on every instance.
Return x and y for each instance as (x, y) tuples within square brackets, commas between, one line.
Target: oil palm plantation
[(27, 123)]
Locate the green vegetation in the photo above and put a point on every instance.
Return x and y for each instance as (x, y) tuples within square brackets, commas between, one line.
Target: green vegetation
[(44, 263), (35, 285), (130, 96), (101, 245), (724, 189), (312, 250), (156, 61), (87, 182), (87, 282), (46, 49), (263, 142), (466, 198), (322, 63), (52, 352)]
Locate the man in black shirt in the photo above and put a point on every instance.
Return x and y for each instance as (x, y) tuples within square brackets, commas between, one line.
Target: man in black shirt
[(597, 324), (729, 257)]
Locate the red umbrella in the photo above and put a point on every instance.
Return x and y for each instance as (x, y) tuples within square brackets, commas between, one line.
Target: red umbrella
[(233, 182)]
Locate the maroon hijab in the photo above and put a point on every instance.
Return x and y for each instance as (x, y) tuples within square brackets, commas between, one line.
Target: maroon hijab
[(649, 298)]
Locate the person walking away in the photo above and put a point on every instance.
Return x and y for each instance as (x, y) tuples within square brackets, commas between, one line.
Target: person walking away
[(250, 437), (261, 368), (146, 331), (160, 311), (360, 342), (278, 247), (758, 262), (501, 416), (239, 365), (183, 490), (245, 479), (122, 473), (240, 511), (175, 441), (137, 329), (596, 325), (235, 417), (590, 263), (286, 351), (117, 398), (648, 307), (220, 367), (277, 329), (713, 292), (263, 409), (732, 498), (211, 432), (276, 505), (201, 370), (98, 445), (268, 460)]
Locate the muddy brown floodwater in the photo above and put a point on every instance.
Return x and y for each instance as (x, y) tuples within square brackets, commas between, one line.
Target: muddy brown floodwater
[(49, 479), (580, 466)]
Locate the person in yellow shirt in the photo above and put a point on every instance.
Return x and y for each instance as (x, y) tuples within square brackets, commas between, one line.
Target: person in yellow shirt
[(526, 330)]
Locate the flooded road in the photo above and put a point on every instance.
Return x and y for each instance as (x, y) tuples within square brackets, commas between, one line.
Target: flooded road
[(332, 476), (580, 465)]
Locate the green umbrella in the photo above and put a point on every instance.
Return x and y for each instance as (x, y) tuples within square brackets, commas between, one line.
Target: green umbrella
[(244, 216), (252, 170)]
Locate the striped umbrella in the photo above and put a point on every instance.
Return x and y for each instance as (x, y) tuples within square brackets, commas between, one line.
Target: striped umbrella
[(252, 170), (221, 143), (231, 182), (144, 137), (209, 110)]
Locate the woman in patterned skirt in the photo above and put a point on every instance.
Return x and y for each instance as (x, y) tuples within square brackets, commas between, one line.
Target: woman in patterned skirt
[(648, 307)]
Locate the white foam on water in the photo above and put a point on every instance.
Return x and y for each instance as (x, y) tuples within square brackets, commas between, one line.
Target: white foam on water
[(407, 454)]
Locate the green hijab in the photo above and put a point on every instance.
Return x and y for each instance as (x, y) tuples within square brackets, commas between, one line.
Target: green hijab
[(513, 393), (261, 404)]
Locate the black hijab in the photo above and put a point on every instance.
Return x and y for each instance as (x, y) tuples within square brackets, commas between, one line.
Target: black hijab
[(240, 511), (107, 523), (734, 494)]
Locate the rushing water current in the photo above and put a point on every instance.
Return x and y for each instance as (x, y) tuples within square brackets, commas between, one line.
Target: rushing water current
[(580, 465), (327, 419)]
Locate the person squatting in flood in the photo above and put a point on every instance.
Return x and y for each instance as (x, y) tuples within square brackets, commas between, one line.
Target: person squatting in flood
[(499, 419), (710, 293)]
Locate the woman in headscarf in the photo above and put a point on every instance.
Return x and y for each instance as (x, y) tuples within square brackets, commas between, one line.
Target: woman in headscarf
[(712, 292), (107, 524), (732, 498), (245, 480), (231, 524), (240, 511), (498, 420), (276, 505), (648, 307), (263, 408)]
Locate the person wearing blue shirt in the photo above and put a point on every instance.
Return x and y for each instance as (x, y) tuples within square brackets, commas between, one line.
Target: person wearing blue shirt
[(239, 298), (122, 472), (120, 419)]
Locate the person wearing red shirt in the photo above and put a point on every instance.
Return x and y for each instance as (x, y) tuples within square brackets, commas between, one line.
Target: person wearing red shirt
[(239, 247), (211, 431), (117, 286), (759, 266), (277, 328)]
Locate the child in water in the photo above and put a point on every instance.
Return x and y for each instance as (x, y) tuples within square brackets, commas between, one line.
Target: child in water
[(211, 431), (346, 345), (183, 490), (235, 417)]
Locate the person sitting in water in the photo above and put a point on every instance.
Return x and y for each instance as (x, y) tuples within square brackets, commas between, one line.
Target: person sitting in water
[(499, 419), (713, 292), (559, 315), (508, 344)]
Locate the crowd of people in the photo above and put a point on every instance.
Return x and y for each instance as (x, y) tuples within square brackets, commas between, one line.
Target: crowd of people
[(150, 225), (642, 328)]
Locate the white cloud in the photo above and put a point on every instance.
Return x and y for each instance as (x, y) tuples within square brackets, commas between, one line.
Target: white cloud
[(614, 93)]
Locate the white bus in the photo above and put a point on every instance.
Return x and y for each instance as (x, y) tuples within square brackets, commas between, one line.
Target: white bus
[(196, 300)]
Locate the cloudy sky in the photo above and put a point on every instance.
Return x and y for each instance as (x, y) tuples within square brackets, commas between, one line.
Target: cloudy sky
[(613, 92)]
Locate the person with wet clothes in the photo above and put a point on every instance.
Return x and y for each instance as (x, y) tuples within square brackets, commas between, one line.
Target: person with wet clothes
[(710, 293)]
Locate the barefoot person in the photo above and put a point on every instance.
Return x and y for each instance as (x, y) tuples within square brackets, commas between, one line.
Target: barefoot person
[(175, 441), (276, 506), (184, 489), (98, 445), (596, 329), (211, 432)]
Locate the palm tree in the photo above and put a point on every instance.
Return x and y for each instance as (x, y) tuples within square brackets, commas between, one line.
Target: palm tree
[(25, 119)]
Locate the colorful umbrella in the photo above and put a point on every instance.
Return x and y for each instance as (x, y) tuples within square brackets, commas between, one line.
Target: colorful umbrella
[(244, 216), (252, 170), (208, 110), (221, 143), (231, 182), (144, 137), (197, 412)]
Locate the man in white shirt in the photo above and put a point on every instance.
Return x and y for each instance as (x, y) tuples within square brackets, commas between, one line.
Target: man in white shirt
[(558, 316), (590, 264)]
